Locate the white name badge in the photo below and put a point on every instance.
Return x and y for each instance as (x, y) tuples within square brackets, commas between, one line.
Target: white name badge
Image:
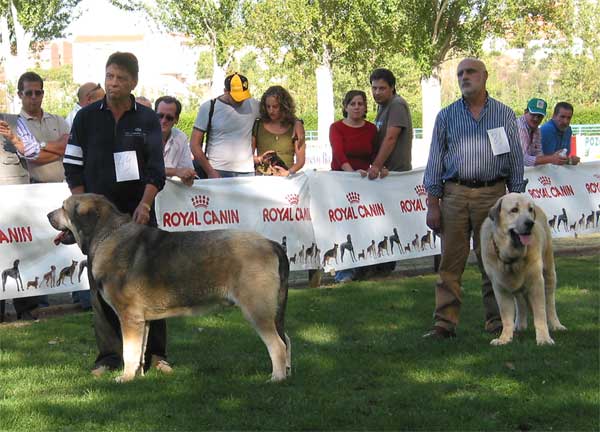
[(126, 166), (499, 141)]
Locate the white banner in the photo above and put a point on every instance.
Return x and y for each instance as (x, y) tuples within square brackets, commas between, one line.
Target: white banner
[(277, 207), (319, 217), (26, 236)]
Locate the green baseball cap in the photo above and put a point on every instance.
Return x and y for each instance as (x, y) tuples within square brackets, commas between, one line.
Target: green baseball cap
[(537, 106)]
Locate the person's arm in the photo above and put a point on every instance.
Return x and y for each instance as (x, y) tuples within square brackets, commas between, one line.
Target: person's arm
[(386, 149), (515, 181), (196, 146), (434, 213), (336, 139), (141, 214), (432, 179), (527, 146), (53, 151), (74, 159), (23, 140), (182, 159), (555, 159), (299, 147), (154, 170)]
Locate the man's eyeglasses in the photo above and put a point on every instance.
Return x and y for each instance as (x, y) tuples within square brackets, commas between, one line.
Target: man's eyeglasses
[(30, 93), (169, 117)]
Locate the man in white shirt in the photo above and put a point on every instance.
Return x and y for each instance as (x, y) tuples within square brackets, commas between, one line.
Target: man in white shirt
[(229, 142), (50, 130), (176, 151), (87, 94)]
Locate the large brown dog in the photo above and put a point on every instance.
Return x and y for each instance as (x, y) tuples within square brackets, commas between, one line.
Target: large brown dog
[(145, 274), (516, 249)]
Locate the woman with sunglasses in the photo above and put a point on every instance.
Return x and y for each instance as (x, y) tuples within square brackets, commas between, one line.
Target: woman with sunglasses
[(279, 132), (176, 150)]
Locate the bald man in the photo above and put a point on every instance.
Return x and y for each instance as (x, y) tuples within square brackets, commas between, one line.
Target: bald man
[(475, 156), (88, 93)]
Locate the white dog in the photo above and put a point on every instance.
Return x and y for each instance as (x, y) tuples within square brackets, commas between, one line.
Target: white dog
[(516, 249)]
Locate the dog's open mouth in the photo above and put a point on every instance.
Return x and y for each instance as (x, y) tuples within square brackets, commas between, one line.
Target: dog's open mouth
[(520, 239), (64, 237)]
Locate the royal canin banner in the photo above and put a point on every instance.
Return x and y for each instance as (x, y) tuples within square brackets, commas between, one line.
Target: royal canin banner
[(330, 220)]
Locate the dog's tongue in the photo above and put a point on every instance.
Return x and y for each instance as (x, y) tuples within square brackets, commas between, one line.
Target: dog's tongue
[(59, 237), (525, 238)]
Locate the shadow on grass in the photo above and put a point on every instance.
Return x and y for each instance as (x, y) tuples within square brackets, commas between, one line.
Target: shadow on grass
[(359, 363)]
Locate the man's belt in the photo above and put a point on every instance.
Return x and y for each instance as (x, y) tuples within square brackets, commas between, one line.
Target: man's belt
[(477, 183)]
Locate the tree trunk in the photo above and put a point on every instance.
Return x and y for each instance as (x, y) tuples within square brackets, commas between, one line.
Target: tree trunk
[(218, 77), (431, 92), (325, 109)]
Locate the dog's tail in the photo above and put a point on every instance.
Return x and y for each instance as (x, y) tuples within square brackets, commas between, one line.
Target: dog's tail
[(284, 274)]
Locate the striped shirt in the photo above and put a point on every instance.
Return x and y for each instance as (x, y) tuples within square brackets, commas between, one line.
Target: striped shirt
[(31, 145), (460, 147), (531, 142)]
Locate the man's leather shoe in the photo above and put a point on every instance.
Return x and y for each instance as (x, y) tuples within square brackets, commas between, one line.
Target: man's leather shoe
[(438, 332)]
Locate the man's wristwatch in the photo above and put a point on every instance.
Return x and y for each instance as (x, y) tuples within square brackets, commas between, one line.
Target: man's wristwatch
[(43, 145)]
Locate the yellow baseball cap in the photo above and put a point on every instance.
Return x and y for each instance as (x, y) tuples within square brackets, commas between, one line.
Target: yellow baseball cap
[(237, 85)]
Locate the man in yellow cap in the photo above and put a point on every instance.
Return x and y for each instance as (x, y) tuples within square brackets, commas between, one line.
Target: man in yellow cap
[(227, 123)]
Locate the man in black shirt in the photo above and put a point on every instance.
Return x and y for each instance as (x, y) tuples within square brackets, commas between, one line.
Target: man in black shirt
[(115, 150)]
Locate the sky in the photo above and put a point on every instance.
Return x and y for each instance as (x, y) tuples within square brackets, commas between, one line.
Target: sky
[(99, 17)]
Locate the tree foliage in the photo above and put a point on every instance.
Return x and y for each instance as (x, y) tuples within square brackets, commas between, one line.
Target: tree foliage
[(436, 30), (217, 23), (322, 32), (44, 20)]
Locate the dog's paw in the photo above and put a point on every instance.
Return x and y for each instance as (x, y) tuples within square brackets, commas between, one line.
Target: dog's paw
[(124, 378), (500, 341), (545, 341), (557, 327), (277, 378)]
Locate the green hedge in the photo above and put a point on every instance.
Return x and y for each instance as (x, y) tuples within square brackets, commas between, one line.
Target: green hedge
[(586, 115)]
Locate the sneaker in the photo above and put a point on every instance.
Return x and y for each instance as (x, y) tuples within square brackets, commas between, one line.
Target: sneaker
[(161, 364)]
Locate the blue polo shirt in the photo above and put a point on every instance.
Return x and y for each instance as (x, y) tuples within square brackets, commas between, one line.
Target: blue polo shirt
[(553, 139), (95, 137)]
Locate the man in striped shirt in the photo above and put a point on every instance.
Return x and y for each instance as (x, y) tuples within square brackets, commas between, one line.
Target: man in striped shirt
[(16, 142), (22, 138), (475, 156)]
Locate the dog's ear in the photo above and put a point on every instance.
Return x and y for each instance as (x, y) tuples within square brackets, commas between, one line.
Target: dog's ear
[(494, 212), (85, 218)]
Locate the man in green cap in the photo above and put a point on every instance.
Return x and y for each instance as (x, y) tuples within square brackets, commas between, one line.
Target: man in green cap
[(531, 137)]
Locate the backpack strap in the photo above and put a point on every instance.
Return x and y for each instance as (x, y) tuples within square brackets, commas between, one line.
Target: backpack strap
[(209, 124), (255, 127)]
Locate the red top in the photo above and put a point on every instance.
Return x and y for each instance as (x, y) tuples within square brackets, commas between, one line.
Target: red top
[(352, 145)]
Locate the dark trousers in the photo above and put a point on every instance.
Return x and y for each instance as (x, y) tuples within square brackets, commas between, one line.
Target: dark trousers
[(107, 330), (25, 304)]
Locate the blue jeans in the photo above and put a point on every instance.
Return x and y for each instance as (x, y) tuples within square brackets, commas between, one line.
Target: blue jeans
[(344, 274), (229, 174)]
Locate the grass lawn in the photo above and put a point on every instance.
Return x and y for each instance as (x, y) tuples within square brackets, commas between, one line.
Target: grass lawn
[(359, 364)]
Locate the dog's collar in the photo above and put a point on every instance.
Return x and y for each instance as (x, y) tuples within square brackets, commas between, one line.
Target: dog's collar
[(497, 250)]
